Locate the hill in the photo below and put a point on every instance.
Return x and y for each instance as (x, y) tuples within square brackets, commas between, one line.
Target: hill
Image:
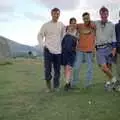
[(17, 49)]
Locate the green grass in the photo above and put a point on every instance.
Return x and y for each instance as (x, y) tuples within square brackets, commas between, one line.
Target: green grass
[(22, 96)]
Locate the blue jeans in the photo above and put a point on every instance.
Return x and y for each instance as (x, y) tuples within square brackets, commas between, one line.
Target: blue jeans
[(80, 56)]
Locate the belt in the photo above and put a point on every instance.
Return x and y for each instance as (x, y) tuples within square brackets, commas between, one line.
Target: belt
[(103, 45)]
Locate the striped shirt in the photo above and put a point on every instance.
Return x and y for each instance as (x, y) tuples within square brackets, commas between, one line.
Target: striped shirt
[(52, 34)]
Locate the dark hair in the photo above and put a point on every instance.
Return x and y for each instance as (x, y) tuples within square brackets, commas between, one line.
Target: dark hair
[(103, 9), (71, 19), (85, 13), (55, 10)]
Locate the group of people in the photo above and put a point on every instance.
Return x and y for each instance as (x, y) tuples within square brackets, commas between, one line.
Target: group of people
[(68, 45)]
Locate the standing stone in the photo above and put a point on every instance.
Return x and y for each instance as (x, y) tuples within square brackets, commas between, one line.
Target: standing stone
[(5, 53)]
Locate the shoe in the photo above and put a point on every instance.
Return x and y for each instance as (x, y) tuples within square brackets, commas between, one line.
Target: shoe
[(117, 89), (117, 86), (48, 84), (113, 80), (48, 90), (67, 86), (56, 89), (108, 86)]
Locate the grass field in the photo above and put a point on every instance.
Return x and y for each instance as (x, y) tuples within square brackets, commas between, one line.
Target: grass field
[(22, 96)]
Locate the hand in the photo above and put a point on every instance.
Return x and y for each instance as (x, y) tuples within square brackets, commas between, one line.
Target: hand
[(114, 52), (93, 26)]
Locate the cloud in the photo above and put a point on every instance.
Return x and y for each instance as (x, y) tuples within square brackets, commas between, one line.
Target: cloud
[(108, 3), (6, 9), (7, 5), (4, 19), (34, 16), (11, 16), (12, 10), (112, 5), (114, 1), (62, 4)]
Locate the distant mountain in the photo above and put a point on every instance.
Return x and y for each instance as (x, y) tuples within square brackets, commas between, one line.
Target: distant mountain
[(16, 48)]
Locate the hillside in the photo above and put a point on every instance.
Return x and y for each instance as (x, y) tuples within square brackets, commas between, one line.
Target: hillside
[(16, 48)]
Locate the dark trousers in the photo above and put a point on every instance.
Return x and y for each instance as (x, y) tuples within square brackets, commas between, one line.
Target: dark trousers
[(52, 60)]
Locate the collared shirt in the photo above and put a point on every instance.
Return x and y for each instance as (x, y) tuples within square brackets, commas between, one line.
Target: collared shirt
[(105, 33), (52, 34)]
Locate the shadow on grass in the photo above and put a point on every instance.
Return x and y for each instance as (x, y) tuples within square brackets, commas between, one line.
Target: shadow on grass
[(6, 63), (96, 90)]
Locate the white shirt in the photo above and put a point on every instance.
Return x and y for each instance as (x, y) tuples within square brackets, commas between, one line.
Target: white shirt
[(105, 34), (53, 34)]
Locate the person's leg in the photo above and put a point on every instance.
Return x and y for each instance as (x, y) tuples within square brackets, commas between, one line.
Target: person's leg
[(89, 75), (118, 67), (117, 84), (57, 66), (103, 60), (107, 71), (109, 66), (76, 67), (110, 60), (47, 68), (68, 74)]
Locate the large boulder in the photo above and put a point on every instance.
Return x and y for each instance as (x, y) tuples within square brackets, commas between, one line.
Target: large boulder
[(5, 53)]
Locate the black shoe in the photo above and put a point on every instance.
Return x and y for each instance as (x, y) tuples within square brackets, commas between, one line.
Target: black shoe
[(67, 86)]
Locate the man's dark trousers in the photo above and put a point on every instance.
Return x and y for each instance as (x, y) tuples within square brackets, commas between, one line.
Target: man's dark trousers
[(52, 60)]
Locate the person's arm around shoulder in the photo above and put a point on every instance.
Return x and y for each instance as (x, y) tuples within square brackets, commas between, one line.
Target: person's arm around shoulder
[(93, 27), (79, 29)]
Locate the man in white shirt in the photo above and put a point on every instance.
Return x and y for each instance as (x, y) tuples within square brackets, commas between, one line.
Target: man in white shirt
[(52, 32), (105, 45)]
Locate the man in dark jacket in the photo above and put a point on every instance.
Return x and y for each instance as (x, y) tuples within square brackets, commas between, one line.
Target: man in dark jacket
[(117, 30)]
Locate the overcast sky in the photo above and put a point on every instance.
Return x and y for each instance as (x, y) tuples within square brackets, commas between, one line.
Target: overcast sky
[(20, 20)]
